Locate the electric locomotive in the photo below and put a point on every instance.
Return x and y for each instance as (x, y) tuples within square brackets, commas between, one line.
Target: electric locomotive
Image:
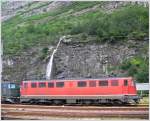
[(118, 90), (10, 92)]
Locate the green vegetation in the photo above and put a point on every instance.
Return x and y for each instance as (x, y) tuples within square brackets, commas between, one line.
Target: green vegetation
[(128, 22), (137, 67), (44, 53), (21, 33), (144, 94), (145, 100)]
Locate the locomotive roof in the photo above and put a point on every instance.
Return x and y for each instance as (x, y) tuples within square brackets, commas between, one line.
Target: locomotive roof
[(9, 82), (77, 79)]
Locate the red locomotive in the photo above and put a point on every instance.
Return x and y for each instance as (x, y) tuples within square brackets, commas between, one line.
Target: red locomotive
[(88, 91)]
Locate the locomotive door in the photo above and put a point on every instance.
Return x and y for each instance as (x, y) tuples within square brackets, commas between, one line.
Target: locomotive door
[(4, 89), (25, 88), (125, 87)]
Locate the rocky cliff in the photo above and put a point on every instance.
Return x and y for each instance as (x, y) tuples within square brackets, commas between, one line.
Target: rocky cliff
[(73, 59)]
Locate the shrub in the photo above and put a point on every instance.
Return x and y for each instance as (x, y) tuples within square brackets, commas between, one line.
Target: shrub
[(79, 28), (137, 67), (44, 53), (31, 28)]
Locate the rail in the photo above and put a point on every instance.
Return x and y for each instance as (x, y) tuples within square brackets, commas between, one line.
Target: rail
[(20, 111)]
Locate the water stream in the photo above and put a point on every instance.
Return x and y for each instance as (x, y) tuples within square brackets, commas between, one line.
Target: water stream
[(50, 63)]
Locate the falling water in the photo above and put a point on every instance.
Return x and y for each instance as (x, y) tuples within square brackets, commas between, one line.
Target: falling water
[(50, 63)]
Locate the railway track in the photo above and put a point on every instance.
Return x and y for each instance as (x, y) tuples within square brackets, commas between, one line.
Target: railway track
[(13, 111)]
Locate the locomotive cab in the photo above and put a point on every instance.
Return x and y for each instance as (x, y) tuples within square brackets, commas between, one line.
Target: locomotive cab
[(10, 92), (129, 91)]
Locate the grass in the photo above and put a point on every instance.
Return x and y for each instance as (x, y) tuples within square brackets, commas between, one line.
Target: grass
[(145, 100)]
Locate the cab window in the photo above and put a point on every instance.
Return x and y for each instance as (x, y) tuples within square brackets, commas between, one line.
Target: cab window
[(125, 82), (134, 83), (11, 86)]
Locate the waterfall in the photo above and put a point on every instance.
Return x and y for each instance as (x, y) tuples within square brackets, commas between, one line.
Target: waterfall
[(50, 63), (49, 66)]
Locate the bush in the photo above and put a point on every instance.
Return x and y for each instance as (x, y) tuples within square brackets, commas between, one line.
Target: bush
[(84, 36), (79, 28), (128, 22), (92, 27), (45, 50), (31, 28), (44, 53), (138, 68)]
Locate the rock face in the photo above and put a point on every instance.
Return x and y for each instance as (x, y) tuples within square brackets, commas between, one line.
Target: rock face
[(29, 8), (72, 60), (10, 8), (80, 60), (27, 66)]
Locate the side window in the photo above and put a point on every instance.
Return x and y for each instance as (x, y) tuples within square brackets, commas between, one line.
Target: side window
[(42, 84), (114, 82), (33, 85), (92, 83), (81, 84), (134, 83), (103, 83), (9, 86), (12, 86), (125, 82), (50, 84), (25, 85), (59, 84)]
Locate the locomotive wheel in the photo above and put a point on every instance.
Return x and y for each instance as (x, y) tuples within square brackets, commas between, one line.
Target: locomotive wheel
[(87, 102), (137, 101), (118, 102)]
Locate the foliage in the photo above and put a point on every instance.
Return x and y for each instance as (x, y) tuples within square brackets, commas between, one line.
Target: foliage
[(44, 53), (138, 68), (21, 33), (129, 22)]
